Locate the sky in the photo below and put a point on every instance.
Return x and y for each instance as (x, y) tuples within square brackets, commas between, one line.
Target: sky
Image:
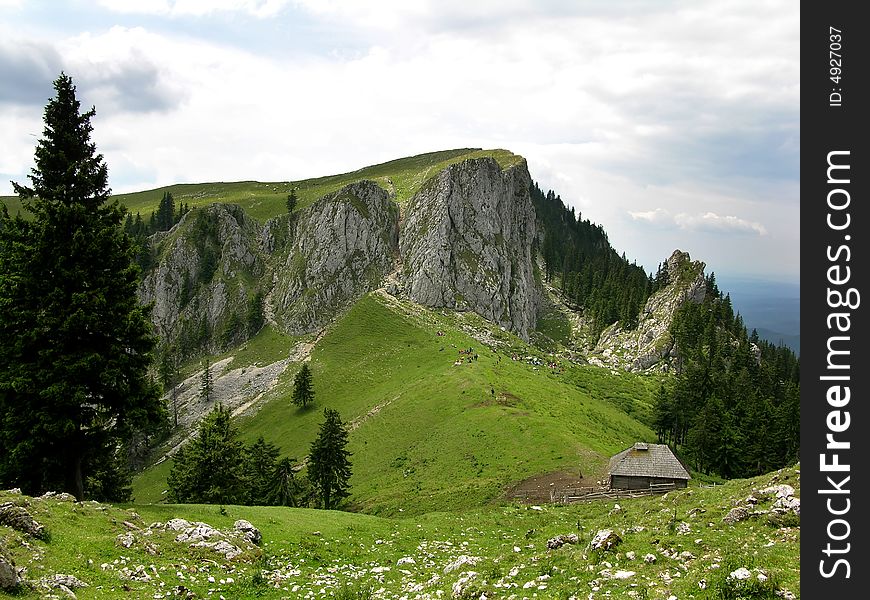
[(674, 124)]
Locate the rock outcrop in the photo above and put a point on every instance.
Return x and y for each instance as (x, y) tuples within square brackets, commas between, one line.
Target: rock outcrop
[(650, 345), (466, 243), (339, 248), (201, 285)]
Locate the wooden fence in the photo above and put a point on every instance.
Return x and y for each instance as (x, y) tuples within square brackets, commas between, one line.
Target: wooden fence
[(568, 495)]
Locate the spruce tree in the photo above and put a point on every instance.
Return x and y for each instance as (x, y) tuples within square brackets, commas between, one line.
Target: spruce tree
[(292, 200), (165, 218), (205, 383), (329, 466), (75, 344), (210, 468), (303, 393), (285, 489), (260, 462)]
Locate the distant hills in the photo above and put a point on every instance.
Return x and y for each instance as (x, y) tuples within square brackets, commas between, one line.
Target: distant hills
[(770, 307)]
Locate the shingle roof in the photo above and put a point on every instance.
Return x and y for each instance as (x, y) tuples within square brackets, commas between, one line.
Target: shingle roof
[(648, 460)]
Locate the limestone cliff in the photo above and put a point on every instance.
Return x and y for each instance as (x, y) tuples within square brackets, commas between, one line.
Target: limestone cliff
[(650, 345), (204, 283), (466, 243), (338, 249)]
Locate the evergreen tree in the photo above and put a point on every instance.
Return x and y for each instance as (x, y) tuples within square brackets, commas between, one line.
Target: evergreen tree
[(75, 344), (260, 463), (286, 489), (328, 461), (205, 383), (210, 468), (165, 217), (292, 200), (303, 393)]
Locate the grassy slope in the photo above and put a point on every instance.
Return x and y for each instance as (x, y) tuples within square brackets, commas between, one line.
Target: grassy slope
[(309, 553), (263, 200), (438, 438)]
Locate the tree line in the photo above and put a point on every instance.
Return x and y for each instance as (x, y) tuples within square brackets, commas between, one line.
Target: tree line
[(164, 218), (733, 406), (579, 259)]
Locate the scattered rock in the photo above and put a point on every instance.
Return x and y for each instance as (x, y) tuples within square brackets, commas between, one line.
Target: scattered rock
[(620, 574), (735, 515), (62, 583), (605, 539), (740, 574), (406, 560), (175, 524), (19, 519), (60, 497), (781, 491), (125, 540), (461, 584), (560, 540), (251, 533), (9, 578), (461, 561), (649, 558), (787, 504)]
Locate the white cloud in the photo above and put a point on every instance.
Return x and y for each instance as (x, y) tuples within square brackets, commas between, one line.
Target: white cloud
[(659, 215), (708, 221), (196, 8), (712, 222), (635, 112)]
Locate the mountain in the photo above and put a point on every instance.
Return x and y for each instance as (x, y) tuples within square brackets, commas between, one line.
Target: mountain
[(380, 282)]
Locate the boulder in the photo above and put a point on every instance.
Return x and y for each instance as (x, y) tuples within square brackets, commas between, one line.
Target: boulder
[(9, 579), (605, 539), (19, 519), (560, 540), (735, 515), (248, 531)]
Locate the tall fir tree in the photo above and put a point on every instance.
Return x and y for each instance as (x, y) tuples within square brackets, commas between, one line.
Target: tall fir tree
[(75, 344), (329, 467), (292, 200), (303, 393)]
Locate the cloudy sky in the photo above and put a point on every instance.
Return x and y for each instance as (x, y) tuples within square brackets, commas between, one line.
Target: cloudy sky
[(673, 123)]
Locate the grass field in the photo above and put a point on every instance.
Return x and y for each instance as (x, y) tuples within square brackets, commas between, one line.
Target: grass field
[(430, 435), (500, 552)]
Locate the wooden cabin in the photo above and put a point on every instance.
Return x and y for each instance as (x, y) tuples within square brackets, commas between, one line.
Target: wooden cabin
[(645, 466)]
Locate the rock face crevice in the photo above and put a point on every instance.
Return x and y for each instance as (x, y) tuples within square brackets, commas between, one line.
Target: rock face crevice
[(338, 249), (650, 346), (467, 242)]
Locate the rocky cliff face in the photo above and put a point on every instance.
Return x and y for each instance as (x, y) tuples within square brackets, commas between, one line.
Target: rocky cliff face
[(202, 284), (466, 243), (650, 346), (338, 249)]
